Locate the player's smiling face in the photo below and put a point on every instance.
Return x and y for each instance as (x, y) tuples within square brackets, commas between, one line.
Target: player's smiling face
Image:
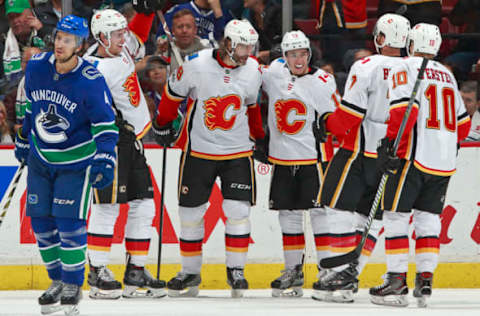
[(65, 46), (297, 61), (117, 40)]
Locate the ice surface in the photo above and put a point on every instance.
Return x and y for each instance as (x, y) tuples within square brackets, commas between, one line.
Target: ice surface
[(444, 302)]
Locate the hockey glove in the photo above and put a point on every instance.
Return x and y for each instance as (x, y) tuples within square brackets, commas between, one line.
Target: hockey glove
[(164, 135), (22, 147), (102, 170), (386, 161), (320, 128), (260, 151), (147, 6)]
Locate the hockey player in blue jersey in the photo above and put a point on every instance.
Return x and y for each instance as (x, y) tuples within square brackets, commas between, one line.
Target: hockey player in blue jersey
[(68, 141)]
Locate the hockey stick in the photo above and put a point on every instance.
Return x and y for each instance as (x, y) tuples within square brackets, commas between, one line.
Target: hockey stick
[(162, 200), (353, 255), (10, 194), (175, 51)]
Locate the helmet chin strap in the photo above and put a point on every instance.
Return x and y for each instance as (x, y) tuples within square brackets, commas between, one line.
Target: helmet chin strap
[(231, 55), (107, 48)]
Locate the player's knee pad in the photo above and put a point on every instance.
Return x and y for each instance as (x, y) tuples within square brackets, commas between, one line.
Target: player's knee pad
[(395, 223), (45, 230), (340, 221), (319, 220), (238, 216), (140, 216), (291, 222), (426, 224), (142, 208), (191, 221), (103, 218)]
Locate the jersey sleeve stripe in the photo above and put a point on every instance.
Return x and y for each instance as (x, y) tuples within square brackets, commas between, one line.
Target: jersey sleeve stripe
[(401, 105), (103, 128), (403, 101), (462, 117), (353, 107), (351, 111), (172, 95)]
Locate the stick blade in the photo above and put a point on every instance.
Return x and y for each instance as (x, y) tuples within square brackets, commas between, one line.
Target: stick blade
[(332, 262)]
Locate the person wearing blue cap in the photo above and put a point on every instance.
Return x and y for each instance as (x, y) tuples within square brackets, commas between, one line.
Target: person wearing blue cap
[(68, 141)]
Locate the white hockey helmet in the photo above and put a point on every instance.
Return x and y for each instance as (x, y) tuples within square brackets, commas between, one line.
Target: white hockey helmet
[(295, 40), (426, 38), (106, 21), (395, 28), (240, 32)]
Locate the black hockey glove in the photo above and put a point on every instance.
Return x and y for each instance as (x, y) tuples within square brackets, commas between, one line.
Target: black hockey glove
[(320, 128), (147, 6), (164, 135), (260, 152), (386, 161)]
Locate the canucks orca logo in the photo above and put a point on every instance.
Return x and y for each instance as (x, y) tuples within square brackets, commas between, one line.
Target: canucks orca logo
[(50, 126)]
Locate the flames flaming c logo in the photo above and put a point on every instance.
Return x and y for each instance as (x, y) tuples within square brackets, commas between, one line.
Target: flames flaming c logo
[(283, 109), (216, 108), (131, 86)]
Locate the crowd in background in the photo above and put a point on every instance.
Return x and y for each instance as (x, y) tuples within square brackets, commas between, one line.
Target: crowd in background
[(340, 33)]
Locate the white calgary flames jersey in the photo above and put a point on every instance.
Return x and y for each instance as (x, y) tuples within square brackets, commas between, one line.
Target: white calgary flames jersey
[(433, 141), (122, 80), (367, 89), (217, 119), (293, 104)]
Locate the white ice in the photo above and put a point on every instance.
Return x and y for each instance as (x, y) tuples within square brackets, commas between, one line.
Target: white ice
[(444, 302)]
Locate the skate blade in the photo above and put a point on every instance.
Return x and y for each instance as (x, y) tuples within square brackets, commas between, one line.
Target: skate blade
[(71, 310), (290, 292), (187, 292), (50, 308), (422, 301), (321, 295), (98, 294), (237, 293), (390, 300), (148, 292), (339, 296)]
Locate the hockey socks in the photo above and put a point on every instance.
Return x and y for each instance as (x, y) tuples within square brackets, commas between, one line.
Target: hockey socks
[(62, 243)]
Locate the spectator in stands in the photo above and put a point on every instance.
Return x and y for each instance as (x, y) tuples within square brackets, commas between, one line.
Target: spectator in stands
[(466, 13), (47, 16), (5, 135), (186, 40), (154, 77), (265, 16), (21, 33), (209, 17), (468, 90), (424, 11), (21, 99)]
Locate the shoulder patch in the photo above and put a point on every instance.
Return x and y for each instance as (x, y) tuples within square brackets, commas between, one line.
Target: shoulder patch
[(281, 60), (192, 56), (38, 56), (91, 73)]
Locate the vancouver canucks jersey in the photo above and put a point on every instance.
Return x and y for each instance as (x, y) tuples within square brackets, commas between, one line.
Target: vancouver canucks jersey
[(69, 116)]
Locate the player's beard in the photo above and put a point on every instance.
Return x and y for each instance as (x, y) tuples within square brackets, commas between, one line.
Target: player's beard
[(65, 60), (239, 60)]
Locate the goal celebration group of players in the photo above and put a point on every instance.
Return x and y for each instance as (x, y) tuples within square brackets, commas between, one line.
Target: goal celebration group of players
[(82, 140)]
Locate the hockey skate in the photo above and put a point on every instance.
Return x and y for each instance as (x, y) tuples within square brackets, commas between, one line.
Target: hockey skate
[(289, 284), (103, 284), (393, 292), (140, 283), (50, 299), (423, 288), (236, 280), (70, 297), (184, 285), (335, 286)]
